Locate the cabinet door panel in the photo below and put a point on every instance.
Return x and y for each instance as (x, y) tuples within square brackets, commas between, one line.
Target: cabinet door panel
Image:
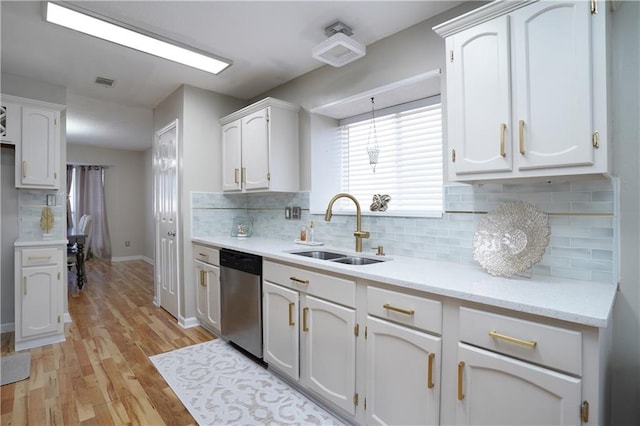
[(38, 149), (480, 88), (398, 363), (281, 329), (255, 150), (231, 156), (330, 351), (553, 84), (503, 391), (40, 305)]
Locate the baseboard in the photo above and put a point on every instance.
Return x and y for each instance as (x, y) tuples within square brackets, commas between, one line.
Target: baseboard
[(67, 317), (4, 328), (188, 322), (129, 258)]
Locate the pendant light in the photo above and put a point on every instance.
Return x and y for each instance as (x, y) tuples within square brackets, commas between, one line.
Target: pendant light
[(372, 140)]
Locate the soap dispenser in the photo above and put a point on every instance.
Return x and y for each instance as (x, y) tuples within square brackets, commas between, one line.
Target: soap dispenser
[(311, 233)]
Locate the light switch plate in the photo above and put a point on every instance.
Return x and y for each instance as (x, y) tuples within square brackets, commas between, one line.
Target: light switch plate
[(295, 212)]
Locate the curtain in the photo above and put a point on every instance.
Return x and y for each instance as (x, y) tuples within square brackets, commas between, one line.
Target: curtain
[(90, 181), (69, 182)]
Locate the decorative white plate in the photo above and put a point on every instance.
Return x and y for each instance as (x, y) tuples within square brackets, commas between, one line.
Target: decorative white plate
[(511, 239)]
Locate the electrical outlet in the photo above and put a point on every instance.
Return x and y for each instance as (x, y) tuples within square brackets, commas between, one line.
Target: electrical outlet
[(127, 243), (295, 212), (287, 212)]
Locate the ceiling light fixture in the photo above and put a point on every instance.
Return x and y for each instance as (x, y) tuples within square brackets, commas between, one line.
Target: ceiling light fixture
[(134, 38), (339, 49)]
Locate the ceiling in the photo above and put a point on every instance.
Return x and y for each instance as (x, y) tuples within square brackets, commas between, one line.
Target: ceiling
[(269, 43)]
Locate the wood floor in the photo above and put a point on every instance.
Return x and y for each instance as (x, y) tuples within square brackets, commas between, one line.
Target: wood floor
[(101, 374)]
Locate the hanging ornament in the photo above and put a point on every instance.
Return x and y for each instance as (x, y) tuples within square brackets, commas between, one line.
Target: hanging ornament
[(372, 140)]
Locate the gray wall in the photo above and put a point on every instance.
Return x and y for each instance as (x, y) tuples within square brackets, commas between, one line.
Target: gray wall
[(9, 233), (418, 49), (625, 368), (125, 195)]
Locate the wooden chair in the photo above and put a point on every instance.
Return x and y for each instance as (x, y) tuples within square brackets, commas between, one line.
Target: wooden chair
[(74, 257)]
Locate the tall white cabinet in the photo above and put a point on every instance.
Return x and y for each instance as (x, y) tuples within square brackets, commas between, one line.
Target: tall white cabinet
[(526, 91), (260, 148)]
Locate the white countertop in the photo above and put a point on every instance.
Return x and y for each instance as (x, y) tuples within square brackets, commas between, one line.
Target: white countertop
[(27, 243), (582, 302)]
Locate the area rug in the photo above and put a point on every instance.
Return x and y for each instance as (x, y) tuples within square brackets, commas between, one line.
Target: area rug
[(220, 385), (14, 367)]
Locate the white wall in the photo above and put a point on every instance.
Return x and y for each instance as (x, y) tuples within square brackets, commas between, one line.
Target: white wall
[(199, 134), (125, 194), (625, 366), (149, 248)]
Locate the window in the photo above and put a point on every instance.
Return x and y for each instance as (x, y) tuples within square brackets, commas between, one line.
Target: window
[(409, 165)]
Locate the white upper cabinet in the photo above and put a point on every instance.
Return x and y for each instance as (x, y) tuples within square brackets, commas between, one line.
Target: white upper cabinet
[(260, 148), (10, 114), (35, 128), (38, 152), (526, 91)]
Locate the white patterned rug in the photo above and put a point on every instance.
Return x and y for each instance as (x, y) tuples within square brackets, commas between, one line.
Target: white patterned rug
[(220, 385)]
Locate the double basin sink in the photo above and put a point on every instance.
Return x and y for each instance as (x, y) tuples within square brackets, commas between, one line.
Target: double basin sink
[(338, 257)]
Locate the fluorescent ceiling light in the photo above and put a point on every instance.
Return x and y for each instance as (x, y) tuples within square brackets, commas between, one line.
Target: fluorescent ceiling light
[(57, 14)]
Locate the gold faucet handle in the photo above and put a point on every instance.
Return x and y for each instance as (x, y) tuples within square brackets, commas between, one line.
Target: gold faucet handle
[(361, 234), (379, 251)]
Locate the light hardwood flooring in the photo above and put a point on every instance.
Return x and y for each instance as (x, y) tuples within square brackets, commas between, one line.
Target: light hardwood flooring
[(101, 374)]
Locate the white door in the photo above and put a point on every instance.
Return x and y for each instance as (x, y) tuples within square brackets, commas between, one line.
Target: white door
[(166, 217), (281, 329), (480, 86), (498, 390), (231, 156), (552, 84), (255, 150), (403, 375), (329, 343)]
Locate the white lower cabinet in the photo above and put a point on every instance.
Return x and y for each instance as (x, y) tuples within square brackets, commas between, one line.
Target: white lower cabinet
[(207, 275), (497, 390), (310, 332), (377, 354), (280, 328), (403, 375), (208, 294), (328, 345), (38, 296)]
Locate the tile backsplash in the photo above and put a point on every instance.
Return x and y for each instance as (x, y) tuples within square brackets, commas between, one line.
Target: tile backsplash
[(582, 218), (31, 202)]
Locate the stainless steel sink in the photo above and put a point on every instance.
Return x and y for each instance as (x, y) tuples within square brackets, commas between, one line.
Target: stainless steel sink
[(319, 254), (357, 260), (338, 257)]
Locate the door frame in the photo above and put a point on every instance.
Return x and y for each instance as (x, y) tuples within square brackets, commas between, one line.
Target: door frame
[(156, 223)]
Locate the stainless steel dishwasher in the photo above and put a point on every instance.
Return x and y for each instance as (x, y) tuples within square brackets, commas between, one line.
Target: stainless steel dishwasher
[(241, 300)]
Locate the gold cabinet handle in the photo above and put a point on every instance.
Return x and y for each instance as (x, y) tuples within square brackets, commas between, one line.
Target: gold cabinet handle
[(244, 175), (395, 309), (235, 175), (25, 285), (203, 281), (430, 384), (305, 312), (298, 280), (453, 155), (291, 306), (460, 370), (503, 136), (39, 257), (521, 136), (529, 343), (24, 168)]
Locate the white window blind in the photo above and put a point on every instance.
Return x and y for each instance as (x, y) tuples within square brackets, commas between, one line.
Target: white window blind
[(409, 165)]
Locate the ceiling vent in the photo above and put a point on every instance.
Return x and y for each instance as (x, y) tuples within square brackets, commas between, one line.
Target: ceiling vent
[(105, 82), (339, 49)]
